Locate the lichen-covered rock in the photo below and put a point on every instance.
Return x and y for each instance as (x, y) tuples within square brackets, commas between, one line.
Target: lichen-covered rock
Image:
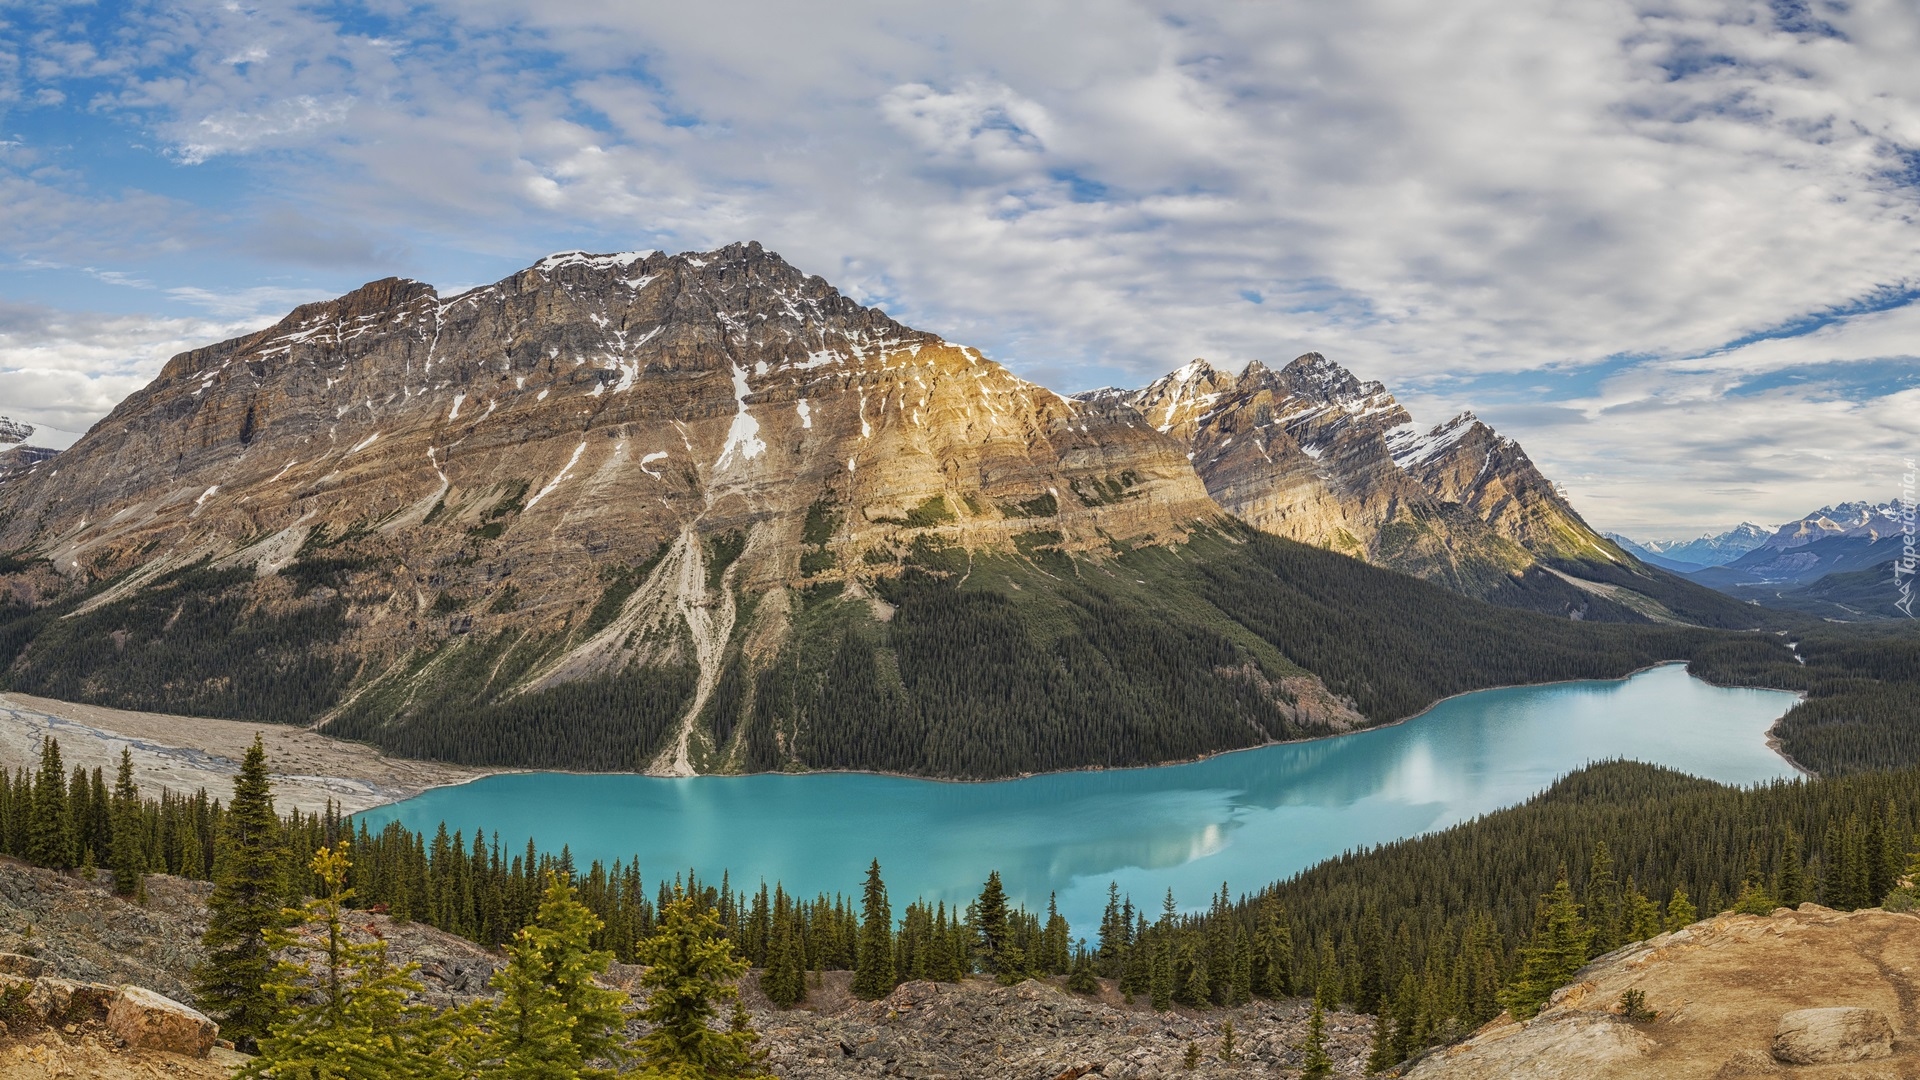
[(143, 1019), (1834, 1034)]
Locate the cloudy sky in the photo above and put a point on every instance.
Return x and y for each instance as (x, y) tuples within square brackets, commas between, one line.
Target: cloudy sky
[(1670, 245)]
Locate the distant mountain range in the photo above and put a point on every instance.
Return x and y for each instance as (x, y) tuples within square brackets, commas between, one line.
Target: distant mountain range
[(1835, 562), (1685, 556), (702, 512)]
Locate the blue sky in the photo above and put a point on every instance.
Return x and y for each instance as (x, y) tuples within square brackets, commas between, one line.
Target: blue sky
[(1670, 246)]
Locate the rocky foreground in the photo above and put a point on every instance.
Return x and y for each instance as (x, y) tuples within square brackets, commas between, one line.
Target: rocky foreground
[(1810, 993), (72, 931)]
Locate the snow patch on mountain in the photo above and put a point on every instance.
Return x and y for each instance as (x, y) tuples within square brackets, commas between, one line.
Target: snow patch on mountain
[(744, 435), (1410, 446)]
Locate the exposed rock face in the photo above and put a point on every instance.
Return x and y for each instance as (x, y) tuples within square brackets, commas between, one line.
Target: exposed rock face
[(13, 431), (1733, 996), (17, 461), (144, 1019), (1312, 453), (432, 468), (619, 400)]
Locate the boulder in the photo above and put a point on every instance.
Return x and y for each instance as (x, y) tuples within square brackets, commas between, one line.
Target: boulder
[(1824, 1036), (142, 1018), (49, 999), (16, 1000), (31, 967), (89, 1001)]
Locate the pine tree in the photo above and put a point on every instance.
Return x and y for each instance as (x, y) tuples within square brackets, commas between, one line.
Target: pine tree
[(1837, 865), (1162, 974), (50, 827), (1680, 912), (1754, 898), (1114, 929), (1603, 902), (1273, 950), (1056, 941), (1641, 913), (126, 856), (1382, 1056), (1315, 1064), (244, 910), (992, 945), (691, 971), (350, 1021), (528, 1031), (1790, 884), (1197, 990), (563, 930), (873, 975), (1240, 971), (1084, 978), (1886, 856), (1557, 949), (785, 980)]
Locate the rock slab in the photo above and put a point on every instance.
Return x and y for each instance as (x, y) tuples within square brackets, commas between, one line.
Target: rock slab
[(144, 1019), (1827, 1036)]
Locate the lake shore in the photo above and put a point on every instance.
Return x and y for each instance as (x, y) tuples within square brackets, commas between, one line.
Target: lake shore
[(183, 753), (186, 753)]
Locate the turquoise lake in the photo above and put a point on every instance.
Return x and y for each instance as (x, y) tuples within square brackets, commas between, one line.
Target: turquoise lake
[(1246, 818)]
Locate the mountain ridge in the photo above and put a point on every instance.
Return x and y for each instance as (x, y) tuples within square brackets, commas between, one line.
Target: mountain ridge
[(1313, 453), (702, 512)]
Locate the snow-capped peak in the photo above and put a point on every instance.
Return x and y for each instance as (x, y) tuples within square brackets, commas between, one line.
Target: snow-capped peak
[(1410, 446), (619, 260)]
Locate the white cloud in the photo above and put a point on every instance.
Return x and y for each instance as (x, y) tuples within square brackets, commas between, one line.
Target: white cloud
[(1428, 192), (236, 132), (66, 369)]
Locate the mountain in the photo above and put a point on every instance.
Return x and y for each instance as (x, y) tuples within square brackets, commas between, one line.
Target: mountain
[(1312, 453), (16, 456), (1853, 521), (1651, 557), (1703, 551), (702, 512), (1849, 537)]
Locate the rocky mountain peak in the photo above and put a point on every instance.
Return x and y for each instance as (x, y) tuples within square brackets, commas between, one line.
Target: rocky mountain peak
[(1859, 519), (743, 425), (1314, 374), (1315, 453), (12, 431)]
